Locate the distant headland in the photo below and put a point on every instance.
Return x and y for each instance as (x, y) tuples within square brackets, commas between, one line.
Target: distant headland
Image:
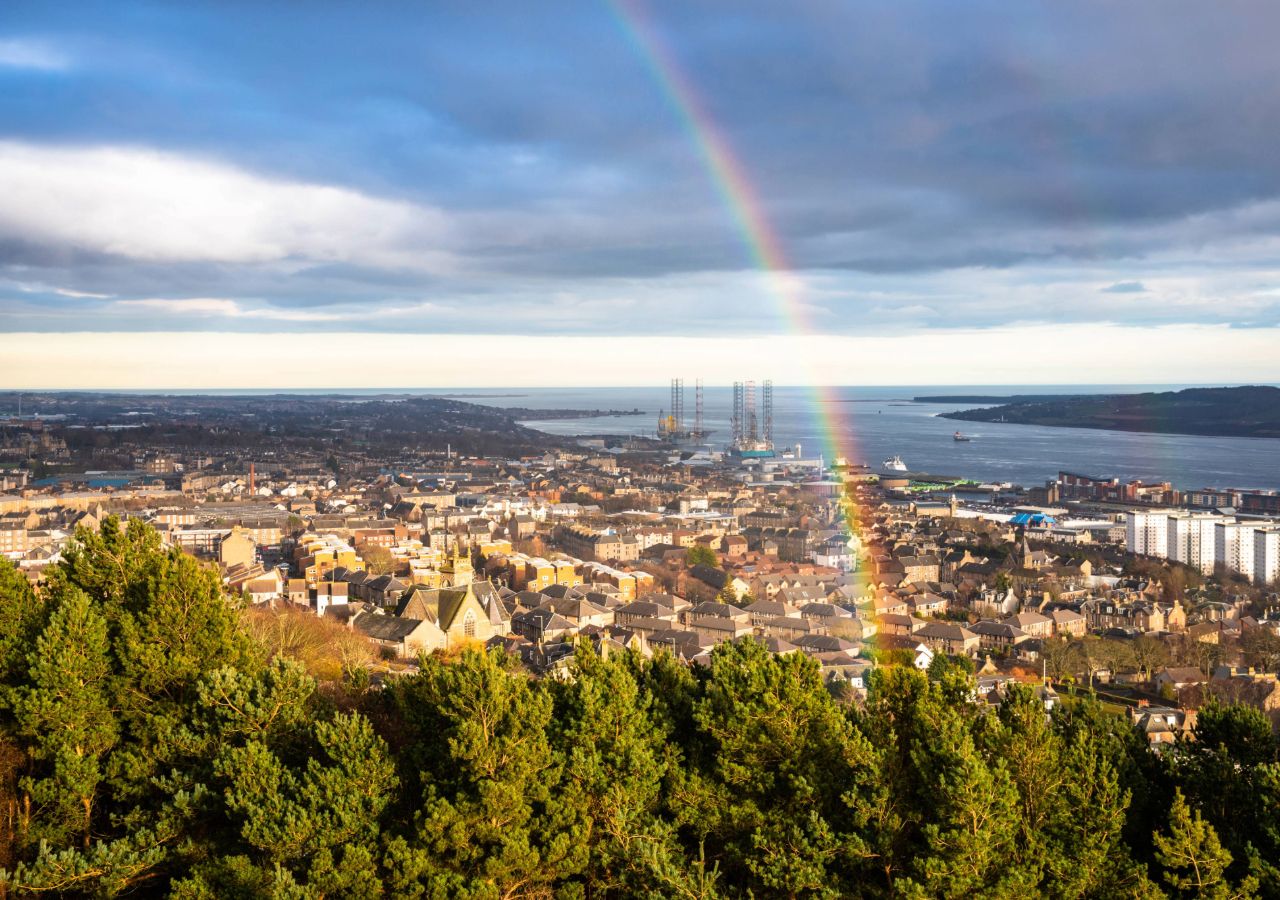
[(1247, 411)]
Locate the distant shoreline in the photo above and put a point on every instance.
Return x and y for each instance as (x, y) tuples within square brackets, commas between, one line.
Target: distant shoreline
[(1247, 411)]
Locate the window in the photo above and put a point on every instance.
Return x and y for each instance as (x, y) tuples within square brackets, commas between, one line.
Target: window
[(469, 624)]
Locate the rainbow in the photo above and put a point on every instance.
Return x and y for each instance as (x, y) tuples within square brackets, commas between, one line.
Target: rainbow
[(730, 180)]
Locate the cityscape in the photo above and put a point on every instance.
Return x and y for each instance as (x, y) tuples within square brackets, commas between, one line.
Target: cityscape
[(647, 450)]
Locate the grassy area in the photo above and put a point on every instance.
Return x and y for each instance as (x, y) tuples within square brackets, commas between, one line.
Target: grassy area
[(1072, 697)]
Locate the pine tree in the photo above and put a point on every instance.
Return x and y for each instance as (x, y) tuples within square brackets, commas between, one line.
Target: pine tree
[(613, 764), (1085, 853), (970, 835), (65, 715), (23, 613), (781, 754), (1229, 774), (305, 828), (1194, 861), (478, 744), (727, 593)]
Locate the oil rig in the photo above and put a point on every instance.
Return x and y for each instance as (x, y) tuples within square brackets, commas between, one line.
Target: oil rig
[(752, 432), (672, 426)]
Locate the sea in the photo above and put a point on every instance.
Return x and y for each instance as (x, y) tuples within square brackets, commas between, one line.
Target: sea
[(876, 423)]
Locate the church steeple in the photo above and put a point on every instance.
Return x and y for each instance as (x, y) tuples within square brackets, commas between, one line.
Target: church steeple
[(457, 570)]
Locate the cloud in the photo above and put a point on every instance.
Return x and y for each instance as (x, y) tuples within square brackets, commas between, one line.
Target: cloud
[(17, 53), (213, 307), (152, 206), (28, 287), (924, 165), (1125, 287)]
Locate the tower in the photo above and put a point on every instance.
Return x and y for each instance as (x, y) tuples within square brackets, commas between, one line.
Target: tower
[(739, 414), (457, 570), (697, 409), (677, 404), (768, 412), (753, 425)]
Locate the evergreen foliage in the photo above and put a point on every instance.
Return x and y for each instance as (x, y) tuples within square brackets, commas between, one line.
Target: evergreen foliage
[(151, 747)]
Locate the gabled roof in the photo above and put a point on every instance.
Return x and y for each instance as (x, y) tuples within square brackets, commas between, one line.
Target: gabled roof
[(945, 631), (386, 628), (719, 610)]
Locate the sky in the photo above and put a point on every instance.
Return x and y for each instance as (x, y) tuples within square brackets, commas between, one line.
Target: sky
[(401, 194)]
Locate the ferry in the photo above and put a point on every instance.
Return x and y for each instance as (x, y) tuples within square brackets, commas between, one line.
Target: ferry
[(894, 464), (960, 437)]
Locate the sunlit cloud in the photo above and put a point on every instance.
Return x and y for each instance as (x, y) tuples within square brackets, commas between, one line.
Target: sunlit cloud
[(212, 307), (151, 206)]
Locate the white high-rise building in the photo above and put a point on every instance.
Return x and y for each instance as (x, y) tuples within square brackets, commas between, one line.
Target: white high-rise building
[(1266, 555), (1233, 546), (1191, 539), (1147, 533)]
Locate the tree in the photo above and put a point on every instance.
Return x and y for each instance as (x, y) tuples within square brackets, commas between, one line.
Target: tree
[(479, 741), (297, 817), (1062, 657), (778, 754), (23, 614), (957, 811), (1084, 837), (1230, 774), (701, 555), (65, 714), (1194, 862), (1261, 648), (1149, 654), (727, 593), (616, 760), (378, 560)]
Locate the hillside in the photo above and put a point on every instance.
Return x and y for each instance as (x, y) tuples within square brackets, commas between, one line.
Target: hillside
[(1249, 411)]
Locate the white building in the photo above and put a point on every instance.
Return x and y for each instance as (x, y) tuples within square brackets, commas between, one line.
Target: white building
[(1266, 555), (836, 553), (1191, 539), (1233, 546), (1147, 533)]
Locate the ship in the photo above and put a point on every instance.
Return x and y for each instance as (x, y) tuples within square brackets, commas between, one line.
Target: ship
[(894, 464), (960, 437)]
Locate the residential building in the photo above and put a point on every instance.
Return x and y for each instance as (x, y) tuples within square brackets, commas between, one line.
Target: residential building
[(1266, 556), (1233, 546), (1147, 533)]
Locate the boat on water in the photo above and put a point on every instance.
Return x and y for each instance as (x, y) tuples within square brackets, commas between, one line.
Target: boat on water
[(894, 464), (960, 437)]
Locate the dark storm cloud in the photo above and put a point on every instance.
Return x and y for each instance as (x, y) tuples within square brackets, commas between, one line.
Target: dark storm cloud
[(533, 175)]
